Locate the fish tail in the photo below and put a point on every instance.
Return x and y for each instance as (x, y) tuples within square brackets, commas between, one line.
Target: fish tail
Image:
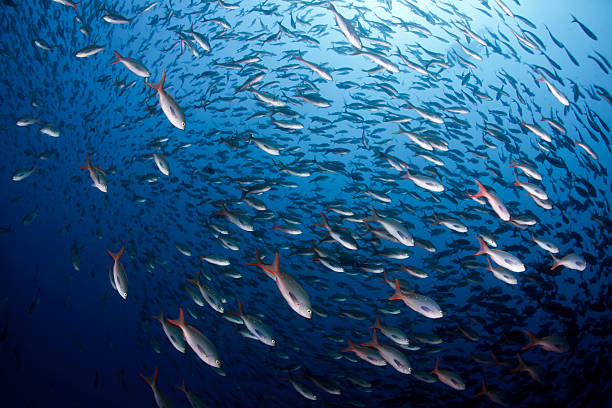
[(483, 391), (482, 191), (517, 182), (484, 249), (86, 165), (435, 370), (397, 295), (377, 324), (372, 343), (183, 387), (240, 307), (555, 262), (324, 222), (533, 341), (152, 381), (159, 318), (180, 322), (159, 86), (117, 58), (521, 365), (116, 256), (351, 346)]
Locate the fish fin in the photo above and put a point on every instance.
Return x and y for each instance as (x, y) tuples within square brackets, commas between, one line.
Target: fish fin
[(533, 341), (117, 58), (86, 165), (159, 86), (152, 381), (397, 295), (483, 391), (517, 182), (324, 222), (116, 256), (180, 322), (240, 307), (482, 191), (377, 324), (372, 343), (556, 262), (275, 265), (435, 370), (351, 346), (484, 249), (183, 387)]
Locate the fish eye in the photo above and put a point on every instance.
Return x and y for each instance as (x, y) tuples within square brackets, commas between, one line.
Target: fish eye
[(308, 311), (217, 362), (273, 341)]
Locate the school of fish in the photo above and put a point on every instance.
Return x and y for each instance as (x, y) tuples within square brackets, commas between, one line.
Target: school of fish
[(372, 203)]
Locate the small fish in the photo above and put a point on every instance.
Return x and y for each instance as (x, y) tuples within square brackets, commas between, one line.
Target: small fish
[(169, 106)]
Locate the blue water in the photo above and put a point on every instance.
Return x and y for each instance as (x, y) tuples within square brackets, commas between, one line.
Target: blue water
[(69, 339)]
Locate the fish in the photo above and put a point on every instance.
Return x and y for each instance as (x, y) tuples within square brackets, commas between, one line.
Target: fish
[(169, 106), (200, 344), (119, 276), (293, 293)]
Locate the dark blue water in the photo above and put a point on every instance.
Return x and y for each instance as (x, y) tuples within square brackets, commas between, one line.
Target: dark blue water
[(69, 339)]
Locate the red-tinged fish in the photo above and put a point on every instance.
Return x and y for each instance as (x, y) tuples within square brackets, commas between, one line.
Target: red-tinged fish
[(393, 227), (173, 333), (193, 399), (256, 327), (394, 357), (448, 377), (501, 258), (171, 108), (366, 354), (98, 176), (496, 396), (534, 371), (495, 203), (209, 294), (133, 65), (199, 343), (556, 344), (161, 399), (417, 302), (571, 261), (292, 291), (119, 275), (502, 274)]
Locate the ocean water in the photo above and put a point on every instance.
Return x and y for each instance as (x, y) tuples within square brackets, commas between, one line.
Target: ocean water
[(450, 90)]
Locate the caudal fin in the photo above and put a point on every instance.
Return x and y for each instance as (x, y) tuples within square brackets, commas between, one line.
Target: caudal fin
[(483, 391), (180, 322), (116, 256), (372, 343), (484, 249), (556, 262), (533, 341), (351, 347), (397, 295), (377, 324), (118, 58), (435, 370), (183, 388), (482, 191), (159, 86), (152, 381)]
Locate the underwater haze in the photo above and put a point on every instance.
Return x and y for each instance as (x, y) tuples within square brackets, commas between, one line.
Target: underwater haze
[(294, 203)]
